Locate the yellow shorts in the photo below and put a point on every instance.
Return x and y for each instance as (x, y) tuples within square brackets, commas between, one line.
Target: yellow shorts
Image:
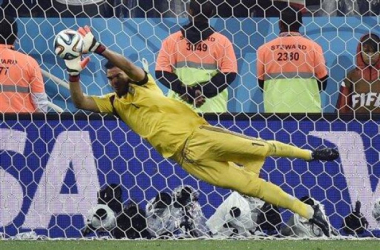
[(221, 157)]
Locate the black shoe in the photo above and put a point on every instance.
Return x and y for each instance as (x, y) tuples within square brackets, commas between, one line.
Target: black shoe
[(319, 220), (324, 154)]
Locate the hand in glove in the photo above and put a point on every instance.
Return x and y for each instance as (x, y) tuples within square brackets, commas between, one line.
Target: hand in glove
[(193, 95), (200, 99), (90, 43), (75, 66)]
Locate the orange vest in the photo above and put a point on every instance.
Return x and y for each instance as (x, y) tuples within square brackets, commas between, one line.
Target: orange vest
[(196, 63), (290, 66), (20, 76)]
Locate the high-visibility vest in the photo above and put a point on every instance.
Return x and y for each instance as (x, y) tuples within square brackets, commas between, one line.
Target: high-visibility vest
[(290, 66), (20, 76), (196, 63)]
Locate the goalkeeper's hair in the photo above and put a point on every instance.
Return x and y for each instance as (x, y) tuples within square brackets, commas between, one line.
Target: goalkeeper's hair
[(109, 65), (202, 10), (8, 30)]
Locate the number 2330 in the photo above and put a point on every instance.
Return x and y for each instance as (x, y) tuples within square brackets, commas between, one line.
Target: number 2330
[(288, 56)]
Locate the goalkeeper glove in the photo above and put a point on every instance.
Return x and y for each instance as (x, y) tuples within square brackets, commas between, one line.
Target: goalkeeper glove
[(75, 66), (90, 43)]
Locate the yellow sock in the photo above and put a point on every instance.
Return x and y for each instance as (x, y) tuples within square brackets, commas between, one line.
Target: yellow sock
[(273, 194), (285, 150)]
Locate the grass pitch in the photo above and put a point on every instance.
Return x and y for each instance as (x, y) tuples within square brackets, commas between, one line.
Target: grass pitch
[(191, 245)]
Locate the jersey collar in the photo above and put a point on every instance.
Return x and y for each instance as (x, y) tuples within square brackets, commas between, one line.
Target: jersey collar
[(7, 46), (291, 33)]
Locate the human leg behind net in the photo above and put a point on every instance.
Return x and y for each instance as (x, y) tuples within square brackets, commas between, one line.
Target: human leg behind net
[(229, 175), (208, 155), (223, 145)]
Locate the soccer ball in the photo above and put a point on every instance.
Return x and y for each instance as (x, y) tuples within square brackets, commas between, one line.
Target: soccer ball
[(101, 217), (68, 44), (376, 210)]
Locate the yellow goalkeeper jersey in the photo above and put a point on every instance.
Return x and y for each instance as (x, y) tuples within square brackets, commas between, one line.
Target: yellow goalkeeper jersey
[(165, 123)]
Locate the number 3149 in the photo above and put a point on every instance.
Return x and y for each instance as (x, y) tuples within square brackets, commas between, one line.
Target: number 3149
[(198, 46)]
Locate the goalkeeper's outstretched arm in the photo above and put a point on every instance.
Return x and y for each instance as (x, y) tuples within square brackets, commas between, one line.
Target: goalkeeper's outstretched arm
[(76, 65), (92, 45), (134, 72), (81, 101)]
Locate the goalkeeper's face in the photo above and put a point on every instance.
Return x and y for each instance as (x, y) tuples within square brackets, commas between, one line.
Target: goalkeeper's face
[(119, 80)]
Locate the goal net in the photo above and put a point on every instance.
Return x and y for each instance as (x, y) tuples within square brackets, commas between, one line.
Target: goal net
[(52, 166)]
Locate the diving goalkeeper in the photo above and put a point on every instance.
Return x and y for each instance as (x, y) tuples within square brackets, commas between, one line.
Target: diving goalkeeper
[(212, 154)]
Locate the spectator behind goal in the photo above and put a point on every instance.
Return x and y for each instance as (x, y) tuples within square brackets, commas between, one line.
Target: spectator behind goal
[(291, 69), (197, 64), (360, 91), (21, 83)]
